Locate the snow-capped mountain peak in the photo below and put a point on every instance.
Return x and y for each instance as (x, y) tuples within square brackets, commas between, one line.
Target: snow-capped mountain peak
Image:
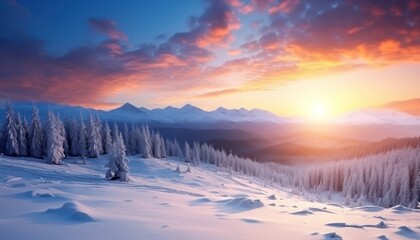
[(128, 107)]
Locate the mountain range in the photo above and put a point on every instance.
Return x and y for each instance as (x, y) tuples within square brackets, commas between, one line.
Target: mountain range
[(192, 114)]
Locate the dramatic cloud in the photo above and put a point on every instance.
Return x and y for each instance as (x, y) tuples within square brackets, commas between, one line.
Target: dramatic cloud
[(87, 75), (214, 27), (107, 27), (288, 40)]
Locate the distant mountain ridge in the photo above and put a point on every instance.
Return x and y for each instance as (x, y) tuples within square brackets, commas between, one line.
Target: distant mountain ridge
[(192, 114), (129, 112)]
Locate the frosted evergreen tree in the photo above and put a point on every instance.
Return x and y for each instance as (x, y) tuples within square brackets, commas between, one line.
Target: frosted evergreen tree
[(35, 135), (21, 136), (115, 132), (73, 130), (63, 133), (134, 139), (82, 144), (157, 145), (26, 126), (106, 138), (99, 128), (195, 158), (146, 142), (55, 140), (126, 137), (118, 163), (163, 147), (187, 153), (94, 139), (11, 145)]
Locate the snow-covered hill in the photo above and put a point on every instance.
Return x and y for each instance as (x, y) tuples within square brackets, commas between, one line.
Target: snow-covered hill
[(73, 201), (377, 116)]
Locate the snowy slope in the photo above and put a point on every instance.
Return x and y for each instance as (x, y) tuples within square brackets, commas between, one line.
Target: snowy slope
[(73, 201), (243, 115), (376, 116)]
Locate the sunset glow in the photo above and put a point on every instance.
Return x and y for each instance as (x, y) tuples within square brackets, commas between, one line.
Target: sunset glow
[(318, 112), (269, 54)]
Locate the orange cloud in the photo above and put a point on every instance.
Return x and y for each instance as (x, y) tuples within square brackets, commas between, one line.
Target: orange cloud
[(218, 93), (411, 106)]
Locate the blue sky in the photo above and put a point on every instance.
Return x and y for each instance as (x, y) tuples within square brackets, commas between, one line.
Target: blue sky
[(286, 56)]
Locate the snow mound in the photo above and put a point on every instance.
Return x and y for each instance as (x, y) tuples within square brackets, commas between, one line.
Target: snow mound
[(401, 209), (272, 197), (241, 204), (313, 209), (343, 224), (382, 237), (35, 194), (407, 232), (303, 212), (71, 211), (199, 201), (370, 208), (249, 220), (332, 236)]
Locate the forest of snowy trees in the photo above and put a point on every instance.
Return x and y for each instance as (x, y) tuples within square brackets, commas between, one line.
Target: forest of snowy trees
[(384, 179), (57, 138)]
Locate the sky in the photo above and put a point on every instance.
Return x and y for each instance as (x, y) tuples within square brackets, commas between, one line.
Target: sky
[(291, 57)]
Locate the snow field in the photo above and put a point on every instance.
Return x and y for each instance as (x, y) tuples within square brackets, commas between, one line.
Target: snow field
[(73, 200)]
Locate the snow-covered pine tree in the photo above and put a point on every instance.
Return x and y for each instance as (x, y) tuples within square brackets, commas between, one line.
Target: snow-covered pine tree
[(26, 126), (98, 124), (55, 140), (35, 134), (118, 163), (82, 144), (11, 145), (106, 138), (126, 137), (115, 132), (73, 130), (163, 148), (134, 138), (187, 153), (195, 158), (156, 145), (62, 130), (146, 142), (21, 136), (94, 139)]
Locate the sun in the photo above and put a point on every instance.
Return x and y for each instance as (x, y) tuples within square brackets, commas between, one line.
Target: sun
[(318, 112)]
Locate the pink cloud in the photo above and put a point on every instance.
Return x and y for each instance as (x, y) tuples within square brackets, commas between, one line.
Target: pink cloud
[(107, 27), (246, 9), (234, 52), (285, 6)]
